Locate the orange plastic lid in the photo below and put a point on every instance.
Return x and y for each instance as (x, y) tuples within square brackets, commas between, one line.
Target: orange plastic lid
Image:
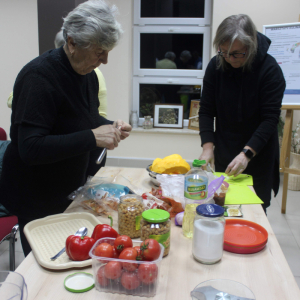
[(245, 234)]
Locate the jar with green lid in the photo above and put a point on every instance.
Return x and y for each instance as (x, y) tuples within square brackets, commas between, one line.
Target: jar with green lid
[(130, 210), (156, 224)]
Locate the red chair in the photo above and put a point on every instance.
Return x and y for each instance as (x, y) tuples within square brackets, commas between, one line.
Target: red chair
[(8, 225), (3, 135)]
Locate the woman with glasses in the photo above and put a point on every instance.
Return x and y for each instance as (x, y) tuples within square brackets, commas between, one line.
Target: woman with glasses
[(242, 91), (55, 123)]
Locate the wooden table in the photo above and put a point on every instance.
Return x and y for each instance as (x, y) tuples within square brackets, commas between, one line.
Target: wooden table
[(266, 273)]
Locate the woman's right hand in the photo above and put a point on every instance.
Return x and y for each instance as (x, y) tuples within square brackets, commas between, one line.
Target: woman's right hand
[(208, 155), (107, 136)]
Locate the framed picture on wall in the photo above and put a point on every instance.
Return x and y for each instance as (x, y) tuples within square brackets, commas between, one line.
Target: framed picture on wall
[(194, 115), (168, 116)]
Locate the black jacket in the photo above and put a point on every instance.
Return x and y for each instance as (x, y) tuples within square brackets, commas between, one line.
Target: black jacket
[(246, 105), (58, 108)]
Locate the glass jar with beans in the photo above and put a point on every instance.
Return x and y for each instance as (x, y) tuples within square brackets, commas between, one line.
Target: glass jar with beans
[(130, 211), (156, 225)]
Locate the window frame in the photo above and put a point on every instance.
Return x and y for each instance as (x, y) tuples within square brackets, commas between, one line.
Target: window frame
[(168, 76), (137, 31), (160, 80), (137, 20)]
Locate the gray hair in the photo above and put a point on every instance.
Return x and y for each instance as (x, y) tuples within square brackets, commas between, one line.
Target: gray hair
[(93, 23), (237, 27), (59, 39), (170, 55)]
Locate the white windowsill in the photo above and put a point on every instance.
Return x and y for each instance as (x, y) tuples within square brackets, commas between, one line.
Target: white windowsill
[(185, 130)]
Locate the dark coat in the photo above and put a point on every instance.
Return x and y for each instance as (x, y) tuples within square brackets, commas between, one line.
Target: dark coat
[(63, 108), (246, 105)]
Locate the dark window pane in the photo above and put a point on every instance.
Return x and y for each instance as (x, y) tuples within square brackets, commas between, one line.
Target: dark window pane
[(158, 51), (172, 8), (168, 94)]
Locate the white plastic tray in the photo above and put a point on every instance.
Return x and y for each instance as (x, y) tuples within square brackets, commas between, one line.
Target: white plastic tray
[(48, 236)]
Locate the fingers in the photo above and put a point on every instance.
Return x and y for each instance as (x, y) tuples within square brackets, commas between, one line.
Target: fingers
[(109, 136), (239, 172), (124, 129), (237, 166)]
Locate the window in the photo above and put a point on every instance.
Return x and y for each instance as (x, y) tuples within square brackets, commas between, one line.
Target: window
[(176, 12), (171, 51)]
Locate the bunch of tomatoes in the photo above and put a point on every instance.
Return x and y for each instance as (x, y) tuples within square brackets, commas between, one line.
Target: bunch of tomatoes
[(130, 275)]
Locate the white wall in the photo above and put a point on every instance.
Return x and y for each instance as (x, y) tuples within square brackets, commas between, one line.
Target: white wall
[(19, 45)]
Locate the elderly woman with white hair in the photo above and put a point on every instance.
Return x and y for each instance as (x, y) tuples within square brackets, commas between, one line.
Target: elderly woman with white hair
[(243, 89), (55, 122)]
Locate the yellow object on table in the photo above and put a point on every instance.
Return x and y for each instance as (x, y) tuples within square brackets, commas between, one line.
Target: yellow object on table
[(173, 164)]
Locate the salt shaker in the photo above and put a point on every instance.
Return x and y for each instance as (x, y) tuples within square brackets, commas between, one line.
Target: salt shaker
[(134, 120), (208, 238)]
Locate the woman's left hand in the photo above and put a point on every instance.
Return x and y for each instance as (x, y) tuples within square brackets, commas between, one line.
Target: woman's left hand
[(124, 128), (238, 165)]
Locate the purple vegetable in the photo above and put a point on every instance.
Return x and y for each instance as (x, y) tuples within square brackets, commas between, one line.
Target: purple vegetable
[(179, 218)]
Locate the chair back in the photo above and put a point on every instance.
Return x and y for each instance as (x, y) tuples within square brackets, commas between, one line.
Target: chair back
[(3, 136), (6, 224)]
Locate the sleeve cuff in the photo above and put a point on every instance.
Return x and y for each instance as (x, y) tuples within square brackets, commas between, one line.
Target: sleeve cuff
[(207, 137)]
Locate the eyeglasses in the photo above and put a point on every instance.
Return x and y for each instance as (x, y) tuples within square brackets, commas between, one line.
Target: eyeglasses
[(235, 55)]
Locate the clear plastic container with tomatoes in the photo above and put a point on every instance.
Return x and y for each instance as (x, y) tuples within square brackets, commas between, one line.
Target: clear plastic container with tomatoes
[(123, 276), (130, 209)]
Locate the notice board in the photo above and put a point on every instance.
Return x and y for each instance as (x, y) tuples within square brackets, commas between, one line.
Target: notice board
[(285, 48)]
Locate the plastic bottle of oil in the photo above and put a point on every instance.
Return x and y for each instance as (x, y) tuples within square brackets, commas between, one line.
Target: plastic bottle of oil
[(195, 193)]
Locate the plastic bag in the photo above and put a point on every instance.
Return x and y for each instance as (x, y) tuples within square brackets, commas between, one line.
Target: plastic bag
[(172, 187), (169, 204), (99, 195), (214, 186)]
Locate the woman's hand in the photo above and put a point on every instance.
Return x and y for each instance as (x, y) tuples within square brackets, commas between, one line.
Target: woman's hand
[(208, 155), (124, 128), (238, 165), (107, 136)]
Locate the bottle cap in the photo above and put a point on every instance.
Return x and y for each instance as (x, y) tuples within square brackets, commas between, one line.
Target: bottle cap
[(210, 210), (198, 163), (155, 215)]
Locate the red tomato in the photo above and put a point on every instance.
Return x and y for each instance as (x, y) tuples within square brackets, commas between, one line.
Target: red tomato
[(103, 281), (139, 256), (122, 242), (113, 270), (129, 254), (138, 249), (104, 250), (130, 280), (147, 273), (116, 254), (150, 249)]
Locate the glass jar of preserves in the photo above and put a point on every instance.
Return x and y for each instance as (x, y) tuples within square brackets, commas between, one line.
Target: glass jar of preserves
[(147, 123), (130, 209), (208, 238), (156, 225)]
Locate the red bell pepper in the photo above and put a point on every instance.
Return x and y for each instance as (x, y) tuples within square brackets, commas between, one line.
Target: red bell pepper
[(78, 247), (104, 230)]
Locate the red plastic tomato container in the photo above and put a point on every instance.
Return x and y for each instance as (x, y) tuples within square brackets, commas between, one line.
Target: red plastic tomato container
[(111, 277)]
